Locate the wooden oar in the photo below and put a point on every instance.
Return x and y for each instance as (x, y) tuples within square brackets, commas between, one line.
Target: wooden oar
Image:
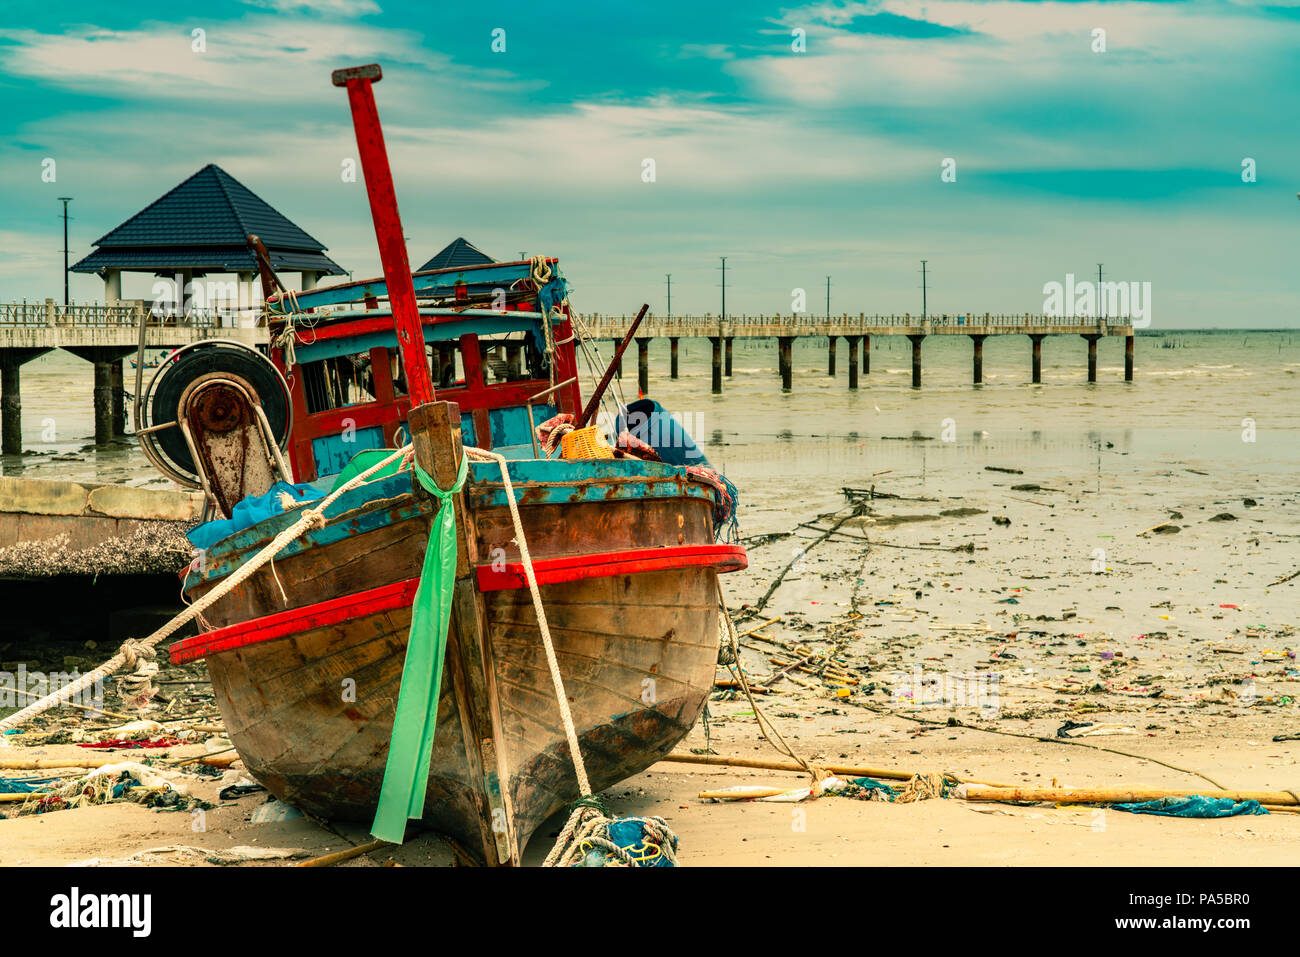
[(594, 402)]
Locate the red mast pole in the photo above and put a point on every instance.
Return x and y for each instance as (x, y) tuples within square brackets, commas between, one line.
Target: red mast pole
[(388, 226)]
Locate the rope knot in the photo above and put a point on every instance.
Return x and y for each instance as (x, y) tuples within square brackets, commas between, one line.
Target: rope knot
[(315, 516)]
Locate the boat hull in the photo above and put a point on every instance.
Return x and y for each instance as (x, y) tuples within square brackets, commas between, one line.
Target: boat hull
[(309, 703)]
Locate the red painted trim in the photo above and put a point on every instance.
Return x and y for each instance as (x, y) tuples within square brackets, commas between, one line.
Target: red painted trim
[(569, 568), (296, 621), (549, 571)]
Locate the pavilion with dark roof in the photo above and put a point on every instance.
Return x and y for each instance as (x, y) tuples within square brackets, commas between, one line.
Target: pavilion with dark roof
[(459, 252), (201, 227)]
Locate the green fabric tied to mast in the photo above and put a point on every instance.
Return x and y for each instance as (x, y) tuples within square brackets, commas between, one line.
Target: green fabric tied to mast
[(409, 751)]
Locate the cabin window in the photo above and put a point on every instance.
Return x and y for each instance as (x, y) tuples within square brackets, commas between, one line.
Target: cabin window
[(511, 359), (337, 382)]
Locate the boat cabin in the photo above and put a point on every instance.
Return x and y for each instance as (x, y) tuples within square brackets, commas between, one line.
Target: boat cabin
[(499, 344)]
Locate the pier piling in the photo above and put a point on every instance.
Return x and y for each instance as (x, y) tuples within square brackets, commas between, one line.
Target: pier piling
[(1037, 339), (979, 359), (1092, 356), (1128, 358), (786, 361), (916, 360), (866, 355), (853, 361), (643, 365), (672, 357), (727, 370), (717, 364), (830, 357)]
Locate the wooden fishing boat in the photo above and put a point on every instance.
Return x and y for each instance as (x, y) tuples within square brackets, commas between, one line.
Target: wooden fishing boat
[(306, 654)]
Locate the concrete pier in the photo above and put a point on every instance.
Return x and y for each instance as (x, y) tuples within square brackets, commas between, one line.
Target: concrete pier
[(916, 360), (978, 372), (100, 334), (853, 361)]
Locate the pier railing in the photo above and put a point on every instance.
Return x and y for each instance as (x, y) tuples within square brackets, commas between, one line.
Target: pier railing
[(126, 312), (802, 324)]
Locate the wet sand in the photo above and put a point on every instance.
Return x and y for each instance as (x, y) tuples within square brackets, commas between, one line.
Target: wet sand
[(1163, 637)]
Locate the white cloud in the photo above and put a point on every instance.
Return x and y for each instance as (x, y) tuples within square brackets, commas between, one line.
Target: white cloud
[(341, 8)]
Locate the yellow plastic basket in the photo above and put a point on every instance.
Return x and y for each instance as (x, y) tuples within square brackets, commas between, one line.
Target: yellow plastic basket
[(588, 443)]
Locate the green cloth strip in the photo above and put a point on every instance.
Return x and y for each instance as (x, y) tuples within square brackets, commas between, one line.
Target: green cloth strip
[(406, 775)]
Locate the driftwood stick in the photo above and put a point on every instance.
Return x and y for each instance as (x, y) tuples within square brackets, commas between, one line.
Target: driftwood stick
[(339, 857), (887, 774), (762, 602), (768, 682)]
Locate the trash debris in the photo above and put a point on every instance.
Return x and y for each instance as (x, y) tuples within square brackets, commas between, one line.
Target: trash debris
[(1195, 806)]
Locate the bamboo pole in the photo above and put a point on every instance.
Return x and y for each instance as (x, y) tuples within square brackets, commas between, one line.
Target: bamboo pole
[(99, 760), (338, 857), (1118, 795)]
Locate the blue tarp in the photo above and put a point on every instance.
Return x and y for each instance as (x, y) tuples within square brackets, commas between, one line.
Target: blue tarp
[(1195, 806), (650, 422), (253, 510)]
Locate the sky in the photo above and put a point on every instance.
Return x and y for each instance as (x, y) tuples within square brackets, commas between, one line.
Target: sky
[(1008, 144)]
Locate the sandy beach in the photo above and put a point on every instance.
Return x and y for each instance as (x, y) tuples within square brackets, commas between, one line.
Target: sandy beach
[(1180, 642)]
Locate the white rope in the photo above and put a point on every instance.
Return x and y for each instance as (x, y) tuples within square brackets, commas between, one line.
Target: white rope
[(310, 517)]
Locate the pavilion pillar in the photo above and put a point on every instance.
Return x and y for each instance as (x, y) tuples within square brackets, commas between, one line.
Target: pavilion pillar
[(717, 364), (672, 354), (309, 278), (1092, 338), (103, 402), (184, 296), (786, 361), (978, 375), (112, 286), (830, 356), (1037, 339), (853, 361), (1128, 358), (643, 365), (515, 361), (916, 360)]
